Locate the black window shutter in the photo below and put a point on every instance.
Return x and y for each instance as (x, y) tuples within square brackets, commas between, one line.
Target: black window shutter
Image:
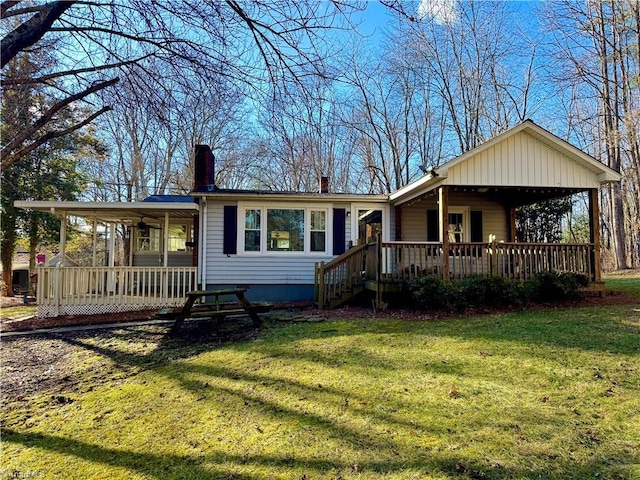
[(339, 215), (476, 226), (230, 232), (433, 230)]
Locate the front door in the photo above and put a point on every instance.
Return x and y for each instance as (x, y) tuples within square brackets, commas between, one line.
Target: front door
[(369, 225)]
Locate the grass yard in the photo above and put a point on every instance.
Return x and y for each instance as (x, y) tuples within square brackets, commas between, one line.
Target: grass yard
[(624, 283), (18, 311), (530, 395)]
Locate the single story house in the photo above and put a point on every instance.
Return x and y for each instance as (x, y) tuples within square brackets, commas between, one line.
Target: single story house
[(456, 220)]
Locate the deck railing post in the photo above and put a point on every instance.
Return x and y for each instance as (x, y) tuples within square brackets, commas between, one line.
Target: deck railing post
[(378, 268), (494, 256), (321, 285)]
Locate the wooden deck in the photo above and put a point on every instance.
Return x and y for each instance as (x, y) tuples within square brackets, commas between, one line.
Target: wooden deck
[(386, 266)]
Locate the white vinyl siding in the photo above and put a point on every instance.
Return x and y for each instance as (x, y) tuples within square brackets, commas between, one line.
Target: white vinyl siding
[(494, 217), (521, 160), (267, 269)]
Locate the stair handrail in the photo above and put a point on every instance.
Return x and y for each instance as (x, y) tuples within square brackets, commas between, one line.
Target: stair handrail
[(322, 269)]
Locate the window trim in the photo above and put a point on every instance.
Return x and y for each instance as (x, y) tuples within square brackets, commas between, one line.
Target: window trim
[(263, 208), (136, 237), (386, 221), (466, 221)]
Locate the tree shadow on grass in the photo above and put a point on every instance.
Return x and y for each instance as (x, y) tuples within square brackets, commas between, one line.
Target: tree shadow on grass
[(212, 380), (221, 465)]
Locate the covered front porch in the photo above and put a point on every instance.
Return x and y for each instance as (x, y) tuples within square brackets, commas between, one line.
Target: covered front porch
[(384, 267), (459, 219), (149, 259)]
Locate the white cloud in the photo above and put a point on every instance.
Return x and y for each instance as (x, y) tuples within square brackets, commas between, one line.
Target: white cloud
[(442, 11)]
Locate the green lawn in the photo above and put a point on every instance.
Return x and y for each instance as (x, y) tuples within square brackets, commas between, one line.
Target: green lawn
[(18, 311), (549, 395), (629, 283)]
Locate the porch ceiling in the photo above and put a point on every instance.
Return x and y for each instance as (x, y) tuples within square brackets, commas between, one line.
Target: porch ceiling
[(127, 213), (521, 196)]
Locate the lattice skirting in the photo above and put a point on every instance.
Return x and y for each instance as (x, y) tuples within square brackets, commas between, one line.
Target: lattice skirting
[(50, 310)]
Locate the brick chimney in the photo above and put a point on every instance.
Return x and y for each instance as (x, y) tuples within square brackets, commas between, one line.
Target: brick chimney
[(324, 184), (204, 169)]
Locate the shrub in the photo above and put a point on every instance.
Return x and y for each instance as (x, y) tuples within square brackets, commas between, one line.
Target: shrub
[(431, 292), (489, 290), (554, 286)]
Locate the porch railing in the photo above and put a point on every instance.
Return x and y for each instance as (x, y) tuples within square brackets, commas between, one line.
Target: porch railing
[(86, 290), (336, 281), (405, 261)]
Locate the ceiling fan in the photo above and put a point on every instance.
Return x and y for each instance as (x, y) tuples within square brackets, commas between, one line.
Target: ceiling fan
[(141, 225)]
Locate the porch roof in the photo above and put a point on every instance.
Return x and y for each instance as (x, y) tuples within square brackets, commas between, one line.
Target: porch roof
[(525, 157), (128, 213)]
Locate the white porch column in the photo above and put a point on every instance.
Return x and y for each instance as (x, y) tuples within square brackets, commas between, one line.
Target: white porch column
[(63, 237), (95, 242), (165, 262), (111, 282), (202, 244), (112, 244), (57, 287), (443, 218), (165, 274)]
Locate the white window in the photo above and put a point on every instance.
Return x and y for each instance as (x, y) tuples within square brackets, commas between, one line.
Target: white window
[(252, 230), (151, 238), (318, 230), (148, 240), (179, 236), (459, 224), (283, 229)]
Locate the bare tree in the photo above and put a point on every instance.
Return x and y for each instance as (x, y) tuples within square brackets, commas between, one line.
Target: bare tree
[(98, 42), (481, 69), (304, 139), (595, 45)]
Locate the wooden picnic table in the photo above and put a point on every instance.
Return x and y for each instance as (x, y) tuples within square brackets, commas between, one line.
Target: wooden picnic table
[(207, 304)]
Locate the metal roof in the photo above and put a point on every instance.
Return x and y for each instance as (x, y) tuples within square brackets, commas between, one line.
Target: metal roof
[(128, 213)]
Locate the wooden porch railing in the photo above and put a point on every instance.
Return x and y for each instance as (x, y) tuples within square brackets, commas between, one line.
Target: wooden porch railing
[(86, 290), (342, 277), (523, 260), (404, 261)]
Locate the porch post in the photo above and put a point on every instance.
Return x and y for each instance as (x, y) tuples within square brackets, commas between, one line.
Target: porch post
[(594, 233), (202, 243), (63, 238), (111, 282), (512, 224), (398, 233), (165, 261), (94, 254), (57, 288), (112, 244), (443, 214)]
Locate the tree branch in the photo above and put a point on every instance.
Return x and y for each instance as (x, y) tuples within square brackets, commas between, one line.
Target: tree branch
[(80, 71), (8, 150), (29, 32), (6, 5), (11, 158)]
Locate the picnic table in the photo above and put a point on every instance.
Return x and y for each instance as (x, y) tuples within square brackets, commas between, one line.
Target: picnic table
[(208, 304)]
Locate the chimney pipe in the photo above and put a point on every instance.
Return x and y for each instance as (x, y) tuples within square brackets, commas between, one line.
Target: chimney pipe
[(204, 169), (324, 184)]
